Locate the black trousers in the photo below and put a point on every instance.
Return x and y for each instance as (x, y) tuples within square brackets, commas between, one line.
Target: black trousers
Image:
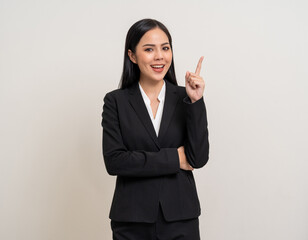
[(160, 230)]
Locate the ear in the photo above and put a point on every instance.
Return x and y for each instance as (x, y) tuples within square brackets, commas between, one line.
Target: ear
[(132, 56)]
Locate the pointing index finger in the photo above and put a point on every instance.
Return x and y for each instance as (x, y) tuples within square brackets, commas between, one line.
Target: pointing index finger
[(198, 69)]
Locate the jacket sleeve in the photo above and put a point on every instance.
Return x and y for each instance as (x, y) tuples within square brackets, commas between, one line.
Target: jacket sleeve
[(196, 145), (123, 162)]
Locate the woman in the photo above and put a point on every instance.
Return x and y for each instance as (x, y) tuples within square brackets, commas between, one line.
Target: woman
[(154, 135)]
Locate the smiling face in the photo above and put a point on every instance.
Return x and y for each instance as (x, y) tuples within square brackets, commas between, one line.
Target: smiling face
[(153, 55)]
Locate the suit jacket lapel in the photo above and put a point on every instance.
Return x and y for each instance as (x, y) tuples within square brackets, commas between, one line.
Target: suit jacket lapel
[(171, 100), (136, 101)]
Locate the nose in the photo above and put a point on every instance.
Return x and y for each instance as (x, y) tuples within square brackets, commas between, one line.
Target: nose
[(158, 55)]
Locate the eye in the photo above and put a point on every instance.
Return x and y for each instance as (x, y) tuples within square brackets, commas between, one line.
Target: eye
[(148, 50), (166, 48)]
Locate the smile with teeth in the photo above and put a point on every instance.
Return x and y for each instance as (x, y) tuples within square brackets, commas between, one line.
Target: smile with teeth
[(157, 66)]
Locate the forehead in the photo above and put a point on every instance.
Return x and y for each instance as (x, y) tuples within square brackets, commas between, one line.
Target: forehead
[(154, 36)]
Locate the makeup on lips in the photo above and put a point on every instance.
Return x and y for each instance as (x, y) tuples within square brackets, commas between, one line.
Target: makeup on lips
[(158, 68)]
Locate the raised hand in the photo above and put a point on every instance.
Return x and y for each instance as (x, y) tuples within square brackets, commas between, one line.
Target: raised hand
[(194, 83)]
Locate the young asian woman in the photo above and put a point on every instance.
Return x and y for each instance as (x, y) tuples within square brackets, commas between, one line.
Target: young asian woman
[(154, 134)]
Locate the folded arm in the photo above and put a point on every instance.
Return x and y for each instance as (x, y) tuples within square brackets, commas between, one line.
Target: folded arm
[(123, 162)]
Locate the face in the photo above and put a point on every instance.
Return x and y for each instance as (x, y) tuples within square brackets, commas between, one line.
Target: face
[(153, 55)]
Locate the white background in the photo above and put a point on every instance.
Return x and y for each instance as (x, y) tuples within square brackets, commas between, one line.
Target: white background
[(58, 59)]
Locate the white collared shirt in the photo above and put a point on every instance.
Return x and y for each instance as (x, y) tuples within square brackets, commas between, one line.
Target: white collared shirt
[(161, 97)]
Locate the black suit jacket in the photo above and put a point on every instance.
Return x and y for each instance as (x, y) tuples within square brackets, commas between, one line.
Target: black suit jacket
[(147, 166)]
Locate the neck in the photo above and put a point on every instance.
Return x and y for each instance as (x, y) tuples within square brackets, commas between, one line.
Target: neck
[(151, 88)]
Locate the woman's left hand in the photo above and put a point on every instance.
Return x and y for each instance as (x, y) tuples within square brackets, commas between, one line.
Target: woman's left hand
[(194, 83)]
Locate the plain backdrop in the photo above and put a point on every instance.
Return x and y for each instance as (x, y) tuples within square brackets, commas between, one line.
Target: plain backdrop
[(58, 59)]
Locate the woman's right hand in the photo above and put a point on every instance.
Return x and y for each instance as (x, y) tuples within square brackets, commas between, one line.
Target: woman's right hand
[(183, 160)]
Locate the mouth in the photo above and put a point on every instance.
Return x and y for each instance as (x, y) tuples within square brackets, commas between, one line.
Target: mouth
[(158, 68)]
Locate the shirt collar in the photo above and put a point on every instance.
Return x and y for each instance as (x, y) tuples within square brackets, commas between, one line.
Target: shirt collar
[(161, 95)]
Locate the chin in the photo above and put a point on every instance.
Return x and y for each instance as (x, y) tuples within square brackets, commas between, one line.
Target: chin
[(156, 76), (157, 79)]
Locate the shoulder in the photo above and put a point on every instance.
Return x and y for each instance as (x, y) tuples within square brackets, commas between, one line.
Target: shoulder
[(181, 91), (114, 94)]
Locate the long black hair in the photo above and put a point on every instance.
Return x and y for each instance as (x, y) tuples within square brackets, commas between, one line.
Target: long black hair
[(131, 72)]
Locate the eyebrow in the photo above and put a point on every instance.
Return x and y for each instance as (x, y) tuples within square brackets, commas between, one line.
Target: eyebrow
[(153, 45)]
